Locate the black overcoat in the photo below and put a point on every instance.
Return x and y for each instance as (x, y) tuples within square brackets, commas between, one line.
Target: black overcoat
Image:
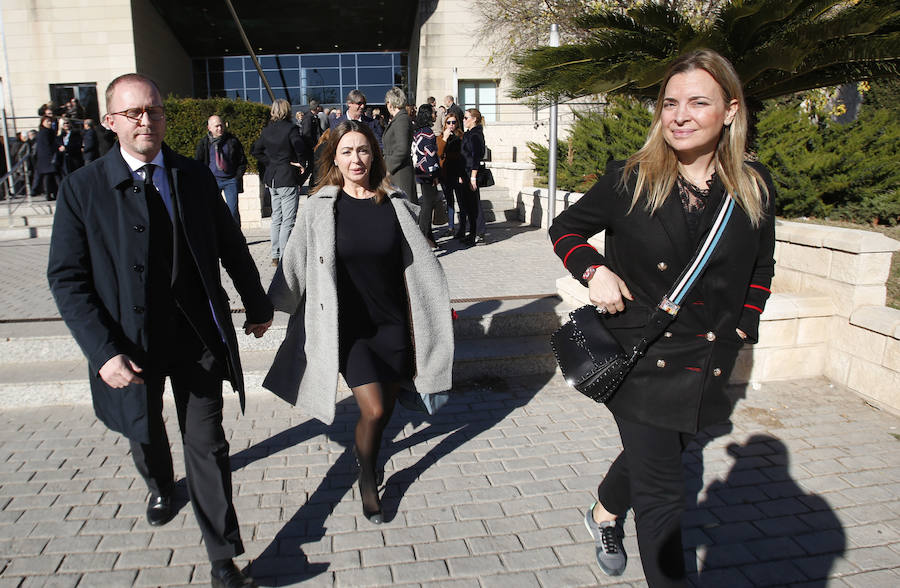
[(278, 145), (679, 385), (397, 144), (99, 251)]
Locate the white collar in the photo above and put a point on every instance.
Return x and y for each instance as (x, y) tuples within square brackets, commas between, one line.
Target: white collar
[(134, 164)]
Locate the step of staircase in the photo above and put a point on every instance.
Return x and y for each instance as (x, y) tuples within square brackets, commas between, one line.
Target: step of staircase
[(41, 364)]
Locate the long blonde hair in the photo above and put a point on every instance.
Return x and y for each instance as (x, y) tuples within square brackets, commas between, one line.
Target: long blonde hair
[(330, 173), (657, 165)]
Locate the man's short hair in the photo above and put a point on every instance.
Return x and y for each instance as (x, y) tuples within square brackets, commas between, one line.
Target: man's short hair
[(431, 100), (313, 104), (449, 97), (355, 96), (129, 77)]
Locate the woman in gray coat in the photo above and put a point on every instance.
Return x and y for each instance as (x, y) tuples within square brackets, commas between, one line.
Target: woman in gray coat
[(397, 139), (368, 300)]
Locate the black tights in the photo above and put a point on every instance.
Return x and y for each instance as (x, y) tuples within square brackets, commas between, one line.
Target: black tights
[(376, 404)]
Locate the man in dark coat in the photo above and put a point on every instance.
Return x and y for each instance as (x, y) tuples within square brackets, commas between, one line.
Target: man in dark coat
[(452, 107), (90, 146), (134, 268), (356, 106), (223, 154)]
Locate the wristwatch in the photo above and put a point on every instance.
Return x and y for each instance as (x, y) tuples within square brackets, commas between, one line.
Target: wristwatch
[(589, 273)]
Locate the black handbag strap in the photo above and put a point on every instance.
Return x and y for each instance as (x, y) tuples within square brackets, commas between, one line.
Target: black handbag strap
[(668, 308)]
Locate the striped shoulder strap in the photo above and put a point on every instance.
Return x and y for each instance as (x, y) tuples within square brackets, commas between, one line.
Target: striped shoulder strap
[(672, 302)]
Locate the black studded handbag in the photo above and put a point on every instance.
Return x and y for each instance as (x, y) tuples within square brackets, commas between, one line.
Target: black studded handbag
[(592, 360)]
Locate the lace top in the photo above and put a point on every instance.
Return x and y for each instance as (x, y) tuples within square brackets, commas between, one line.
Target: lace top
[(693, 200)]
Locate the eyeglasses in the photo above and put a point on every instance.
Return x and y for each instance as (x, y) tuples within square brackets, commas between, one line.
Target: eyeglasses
[(451, 122), (361, 103), (137, 114)]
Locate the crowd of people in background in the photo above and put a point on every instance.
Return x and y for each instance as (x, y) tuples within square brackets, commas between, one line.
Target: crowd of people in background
[(433, 155)]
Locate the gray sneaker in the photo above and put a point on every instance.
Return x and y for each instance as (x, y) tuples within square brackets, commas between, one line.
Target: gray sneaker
[(610, 552)]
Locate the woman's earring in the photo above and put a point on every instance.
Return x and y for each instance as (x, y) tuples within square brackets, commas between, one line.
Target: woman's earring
[(335, 164)]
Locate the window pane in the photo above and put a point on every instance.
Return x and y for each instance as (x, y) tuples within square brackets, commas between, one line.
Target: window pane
[(234, 63), (373, 59), (348, 76), (487, 100), (322, 76), (234, 80), (467, 95), (268, 62), (376, 75), (324, 60), (348, 60), (375, 93), (251, 79), (291, 77)]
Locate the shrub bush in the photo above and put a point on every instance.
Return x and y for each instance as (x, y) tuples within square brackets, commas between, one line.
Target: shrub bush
[(594, 140), (186, 122), (829, 170)]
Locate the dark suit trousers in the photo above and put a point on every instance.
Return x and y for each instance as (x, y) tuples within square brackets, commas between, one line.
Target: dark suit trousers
[(648, 476), (197, 385)]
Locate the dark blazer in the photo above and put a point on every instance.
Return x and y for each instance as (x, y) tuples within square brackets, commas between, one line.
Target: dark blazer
[(72, 158), (397, 144), (280, 144), (91, 146), (238, 161), (375, 126), (473, 149), (679, 384), (45, 152), (310, 130), (99, 251), (455, 109)]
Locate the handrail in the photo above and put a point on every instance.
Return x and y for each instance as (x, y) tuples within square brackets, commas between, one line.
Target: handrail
[(8, 180)]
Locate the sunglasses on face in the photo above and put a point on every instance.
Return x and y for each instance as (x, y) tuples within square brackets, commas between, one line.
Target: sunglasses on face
[(451, 122)]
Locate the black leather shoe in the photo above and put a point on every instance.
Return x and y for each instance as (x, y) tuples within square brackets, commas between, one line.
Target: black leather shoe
[(229, 576), (159, 510)]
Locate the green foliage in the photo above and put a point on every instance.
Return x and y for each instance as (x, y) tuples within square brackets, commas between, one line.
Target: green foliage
[(186, 122), (594, 140), (847, 172), (778, 47)]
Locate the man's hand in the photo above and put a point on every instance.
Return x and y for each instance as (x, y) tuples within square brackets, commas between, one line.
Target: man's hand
[(258, 329), (119, 371)]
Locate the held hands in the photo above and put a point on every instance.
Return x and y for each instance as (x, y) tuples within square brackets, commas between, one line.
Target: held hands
[(741, 334), (119, 371), (258, 329), (607, 290)]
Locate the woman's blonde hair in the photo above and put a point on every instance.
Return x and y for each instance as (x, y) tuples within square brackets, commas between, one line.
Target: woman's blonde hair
[(476, 114), (330, 173), (395, 97), (657, 165), (281, 109)]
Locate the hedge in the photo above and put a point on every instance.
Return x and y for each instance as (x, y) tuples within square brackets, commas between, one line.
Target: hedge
[(821, 169), (186, 122)]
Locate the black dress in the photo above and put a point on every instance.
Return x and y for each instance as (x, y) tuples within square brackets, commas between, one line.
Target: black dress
[(374, 341)]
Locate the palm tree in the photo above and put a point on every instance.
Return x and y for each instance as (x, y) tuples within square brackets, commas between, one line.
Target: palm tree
[(778, 47)]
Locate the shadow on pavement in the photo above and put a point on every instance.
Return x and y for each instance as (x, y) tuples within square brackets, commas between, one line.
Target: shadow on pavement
[(474, 407), (758, 527)]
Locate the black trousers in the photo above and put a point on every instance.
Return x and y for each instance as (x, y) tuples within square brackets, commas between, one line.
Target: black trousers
[(197, 387), (470, 206), (648, 476), (426, 212)]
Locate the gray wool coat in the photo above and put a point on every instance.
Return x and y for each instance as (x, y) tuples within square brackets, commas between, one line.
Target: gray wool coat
[(305, 370)]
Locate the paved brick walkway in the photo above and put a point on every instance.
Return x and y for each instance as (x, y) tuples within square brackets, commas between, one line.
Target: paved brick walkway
[(490, 493)]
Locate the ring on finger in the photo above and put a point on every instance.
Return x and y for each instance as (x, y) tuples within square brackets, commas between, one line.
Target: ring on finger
[(602, 310)]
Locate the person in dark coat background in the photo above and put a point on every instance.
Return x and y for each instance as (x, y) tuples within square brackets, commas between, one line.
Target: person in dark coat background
[(223, 154), (68, 145), (473, 150), (397, 141), (655, 209), (90, 146), (285, 156), (134, 267), (45, 172)]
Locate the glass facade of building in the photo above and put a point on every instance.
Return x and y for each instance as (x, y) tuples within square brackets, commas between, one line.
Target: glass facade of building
[(326, 77)]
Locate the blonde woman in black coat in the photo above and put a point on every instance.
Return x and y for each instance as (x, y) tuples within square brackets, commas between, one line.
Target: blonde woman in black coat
[(397, 140), (655, 208)]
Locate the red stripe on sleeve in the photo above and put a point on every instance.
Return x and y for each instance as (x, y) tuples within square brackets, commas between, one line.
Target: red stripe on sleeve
[(566, 258), (763, 288), (564, 236), (756, 308), (692, 369)]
